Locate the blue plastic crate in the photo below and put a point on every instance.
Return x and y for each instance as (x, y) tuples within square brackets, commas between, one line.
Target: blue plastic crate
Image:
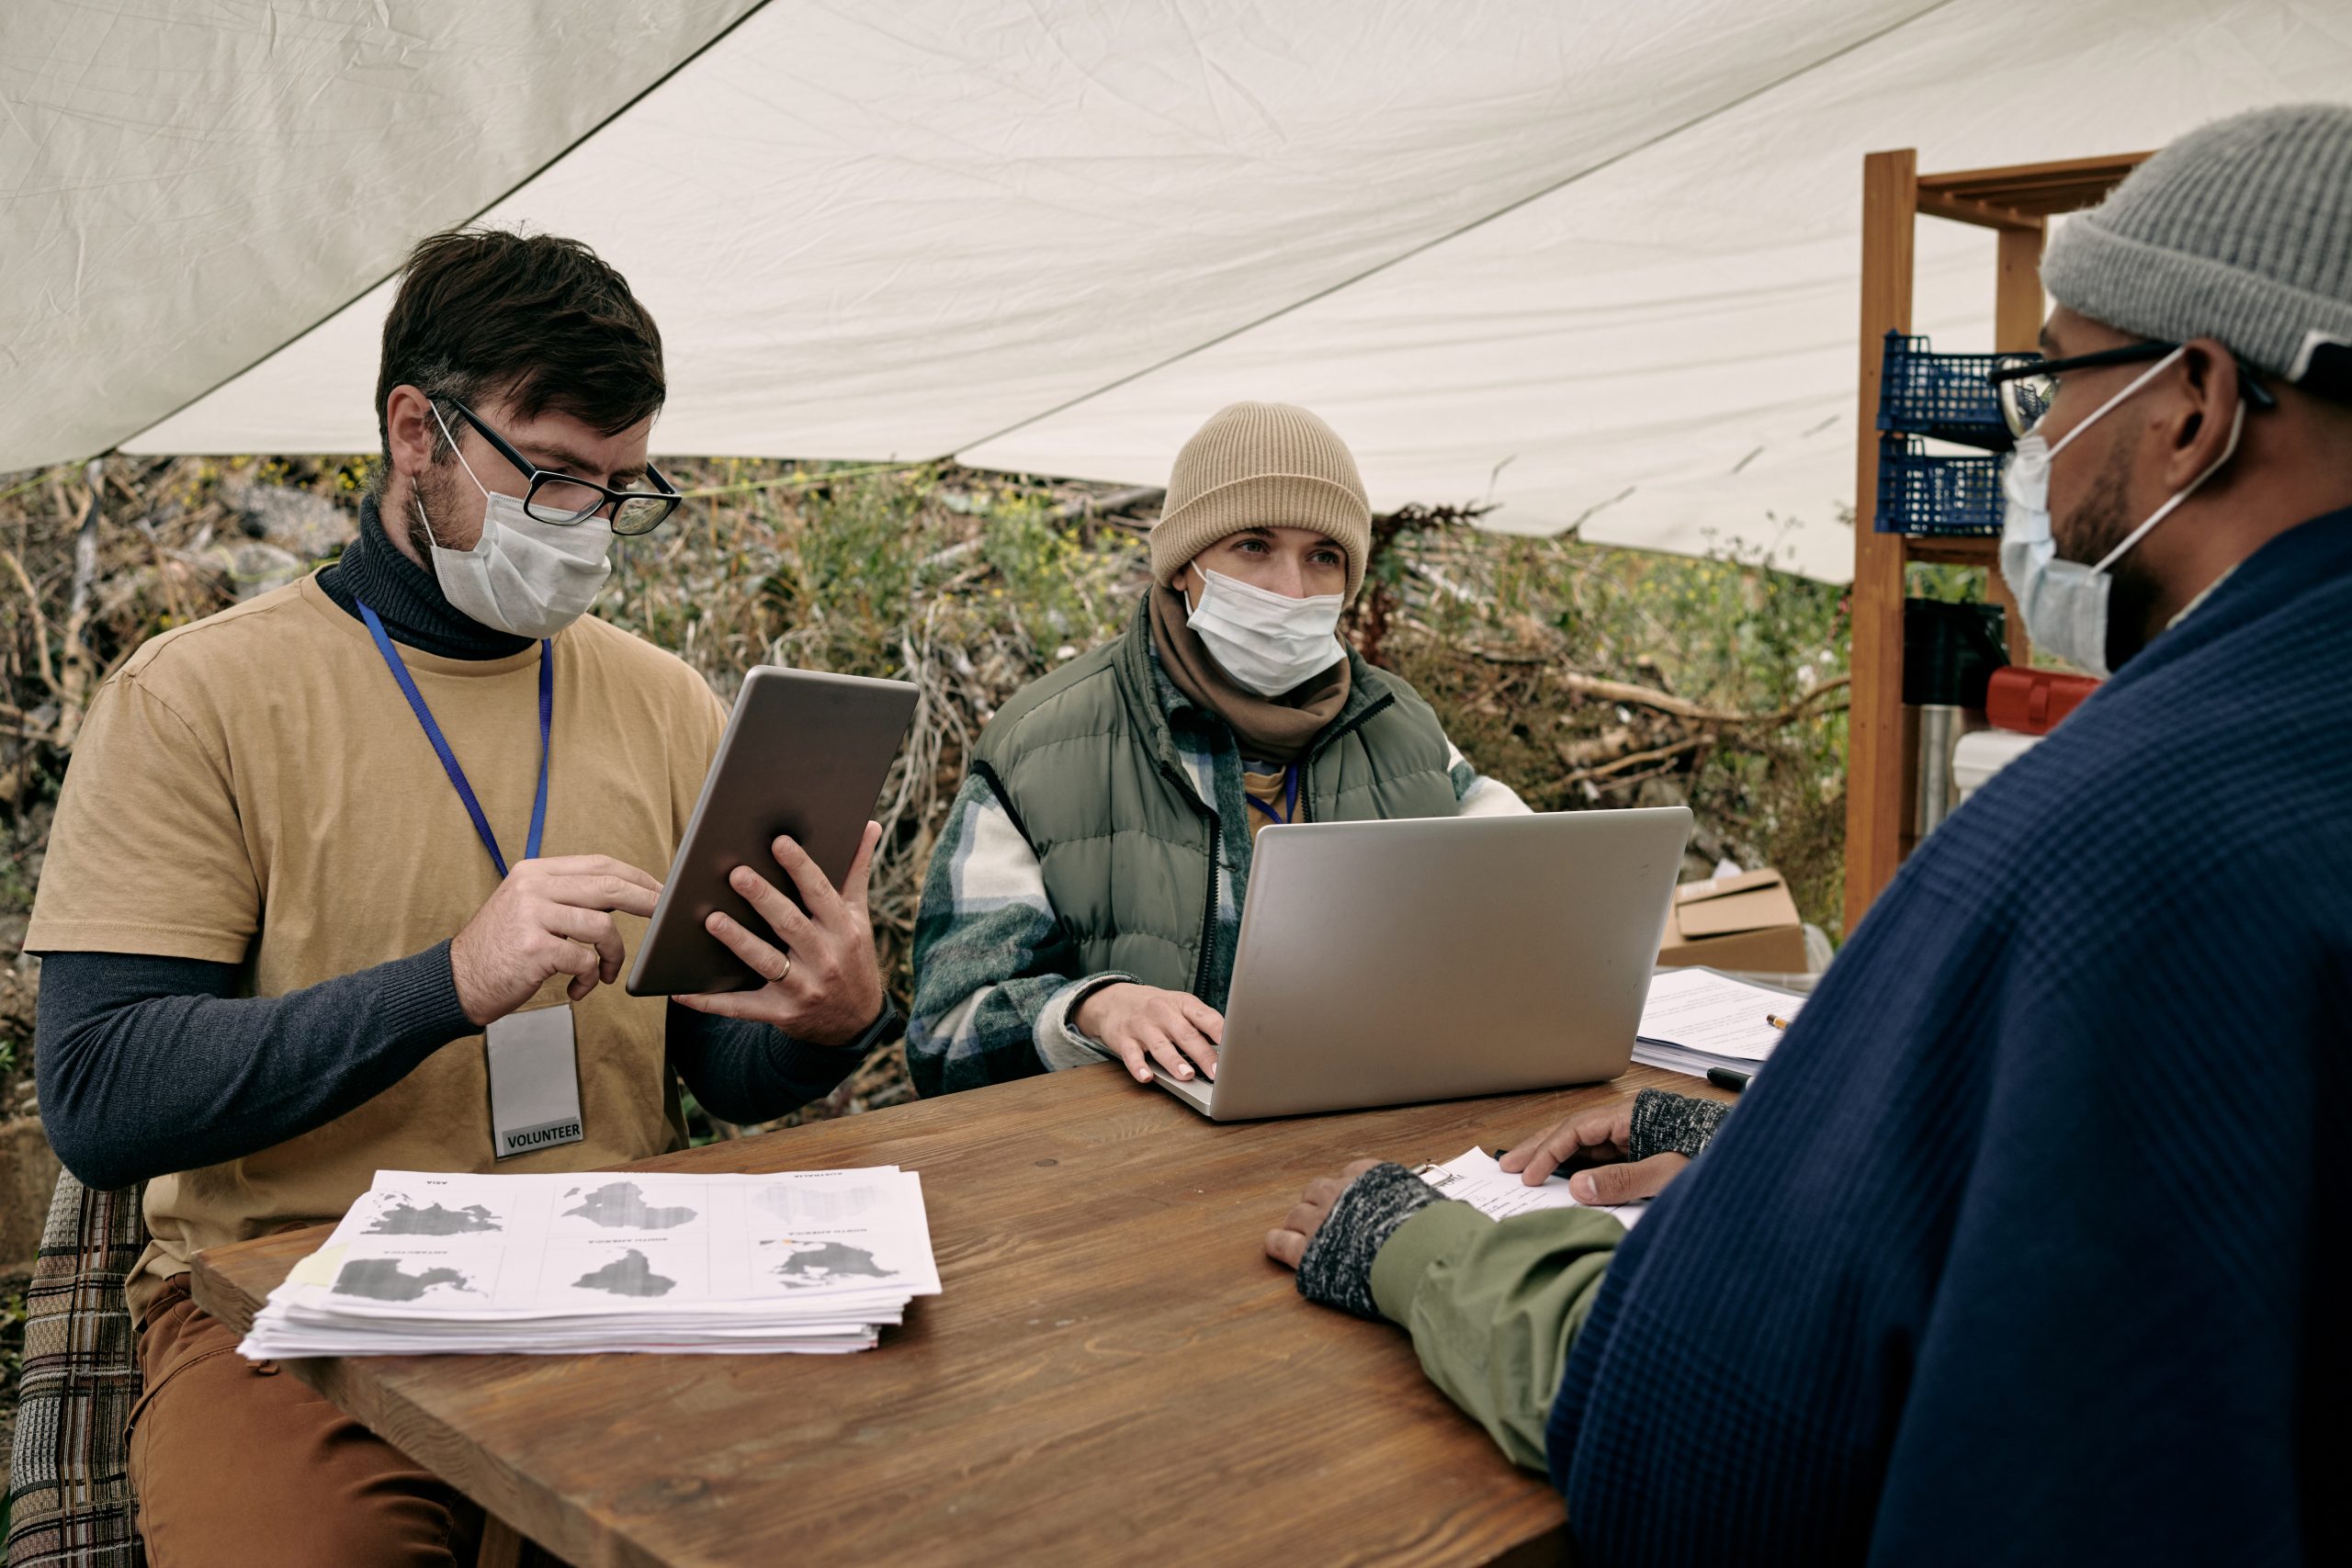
[(1942, 395), (1922, 494)]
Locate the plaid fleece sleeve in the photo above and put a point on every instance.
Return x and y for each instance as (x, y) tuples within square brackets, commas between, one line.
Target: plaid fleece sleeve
[(68, 1497), (994, 982)]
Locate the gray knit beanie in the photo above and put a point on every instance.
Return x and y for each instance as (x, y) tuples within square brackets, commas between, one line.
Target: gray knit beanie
[(2242, 231)]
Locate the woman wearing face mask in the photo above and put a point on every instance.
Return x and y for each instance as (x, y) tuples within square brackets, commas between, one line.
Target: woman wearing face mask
[(1085, 897)]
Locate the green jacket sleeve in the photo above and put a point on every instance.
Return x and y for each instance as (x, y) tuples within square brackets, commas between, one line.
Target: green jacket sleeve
[(1494, 1306)]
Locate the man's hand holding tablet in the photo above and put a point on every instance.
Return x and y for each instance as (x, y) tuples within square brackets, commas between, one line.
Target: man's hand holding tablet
[(821, 983), (763, 914)]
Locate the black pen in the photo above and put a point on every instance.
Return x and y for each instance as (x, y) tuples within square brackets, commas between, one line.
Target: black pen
[(1724, 1077)]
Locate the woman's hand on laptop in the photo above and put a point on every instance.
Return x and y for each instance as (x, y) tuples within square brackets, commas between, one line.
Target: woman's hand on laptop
[(1143, 1024), (824, 985), (1594, 1143)]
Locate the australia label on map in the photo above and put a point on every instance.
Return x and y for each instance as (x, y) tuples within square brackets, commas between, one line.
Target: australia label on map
[(402, 1217), (826, 1263), (630, 1274), (383, 1279), (621, 1205)]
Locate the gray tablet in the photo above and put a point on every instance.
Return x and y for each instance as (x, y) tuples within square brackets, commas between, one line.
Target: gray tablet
[(805, 755)]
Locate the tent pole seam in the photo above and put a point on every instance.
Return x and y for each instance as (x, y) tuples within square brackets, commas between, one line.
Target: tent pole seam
[(954, 452)]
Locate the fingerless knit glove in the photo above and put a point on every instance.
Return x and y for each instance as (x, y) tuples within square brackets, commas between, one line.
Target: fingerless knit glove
[(1336, 1269)]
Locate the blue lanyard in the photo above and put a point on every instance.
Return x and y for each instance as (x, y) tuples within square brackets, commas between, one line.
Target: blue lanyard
[(449, 759), (1290, 797)]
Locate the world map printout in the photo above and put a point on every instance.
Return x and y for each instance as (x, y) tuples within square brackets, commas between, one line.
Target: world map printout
[(816, 1259)]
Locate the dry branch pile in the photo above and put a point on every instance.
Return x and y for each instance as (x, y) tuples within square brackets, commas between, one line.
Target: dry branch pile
[(1555, 666)]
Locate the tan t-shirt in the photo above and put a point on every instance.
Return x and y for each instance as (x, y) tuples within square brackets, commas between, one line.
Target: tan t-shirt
[(253, 789), (1273, 790)]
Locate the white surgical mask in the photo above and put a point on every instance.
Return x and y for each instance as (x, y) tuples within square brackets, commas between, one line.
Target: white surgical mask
[(2065, 603), (522, 576), (1268, 642)]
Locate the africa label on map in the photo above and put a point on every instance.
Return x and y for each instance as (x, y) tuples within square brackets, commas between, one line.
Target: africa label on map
[(628, 1275), (404, 1218), (383, 1279), (619, 1205), (828, 1263)]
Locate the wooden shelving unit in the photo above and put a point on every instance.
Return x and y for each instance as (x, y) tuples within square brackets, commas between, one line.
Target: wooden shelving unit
[(2013, 202)]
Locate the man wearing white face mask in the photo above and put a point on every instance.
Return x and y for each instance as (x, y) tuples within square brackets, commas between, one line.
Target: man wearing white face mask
[(342, 878), (2069, 607), (1086, 896), (2028, 1248)]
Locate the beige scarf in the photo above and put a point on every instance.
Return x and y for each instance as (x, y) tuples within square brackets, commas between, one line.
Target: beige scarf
[(1270, 729)]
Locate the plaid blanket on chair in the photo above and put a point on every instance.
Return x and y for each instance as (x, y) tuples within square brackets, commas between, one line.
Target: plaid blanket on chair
[(70, 1503)]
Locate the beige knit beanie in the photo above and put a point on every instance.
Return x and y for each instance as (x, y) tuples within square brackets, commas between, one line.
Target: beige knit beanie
[(1261, 466)]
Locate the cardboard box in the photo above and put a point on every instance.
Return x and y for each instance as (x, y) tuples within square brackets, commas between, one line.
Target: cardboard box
[(1746, 922)]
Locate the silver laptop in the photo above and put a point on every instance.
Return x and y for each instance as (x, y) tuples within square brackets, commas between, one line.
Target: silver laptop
[(1435, 958)]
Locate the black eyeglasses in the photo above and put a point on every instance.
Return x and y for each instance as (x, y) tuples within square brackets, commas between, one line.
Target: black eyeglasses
[(566, 498), (2027, 383)]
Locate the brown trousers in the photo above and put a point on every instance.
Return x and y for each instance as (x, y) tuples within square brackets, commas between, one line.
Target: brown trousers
[(239, 1464)]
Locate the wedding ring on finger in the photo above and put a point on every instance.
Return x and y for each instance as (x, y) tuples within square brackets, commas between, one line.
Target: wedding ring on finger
[(784, 974)]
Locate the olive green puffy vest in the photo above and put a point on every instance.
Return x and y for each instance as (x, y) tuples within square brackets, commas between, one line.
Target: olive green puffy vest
[(1084, 761)]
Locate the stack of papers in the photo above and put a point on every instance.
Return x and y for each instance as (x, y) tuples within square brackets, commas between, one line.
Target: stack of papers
[(1476, 1180), (433, 1263), (1697, 1019)]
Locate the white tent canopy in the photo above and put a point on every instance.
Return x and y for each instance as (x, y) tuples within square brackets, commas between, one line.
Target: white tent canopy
[(1590, 259)]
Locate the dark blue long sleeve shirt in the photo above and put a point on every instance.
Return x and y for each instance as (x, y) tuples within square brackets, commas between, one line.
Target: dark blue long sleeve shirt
[(148, 1065), (2028, 1248)]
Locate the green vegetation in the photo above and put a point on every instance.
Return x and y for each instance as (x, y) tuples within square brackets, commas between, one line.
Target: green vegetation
[(1528, 652), (1582, 676)]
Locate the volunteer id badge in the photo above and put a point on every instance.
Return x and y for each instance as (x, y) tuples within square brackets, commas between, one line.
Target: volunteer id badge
[(534, 1081)]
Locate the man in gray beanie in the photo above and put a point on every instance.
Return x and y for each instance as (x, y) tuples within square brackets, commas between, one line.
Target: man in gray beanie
[(2026, 1247), (2203, 348)]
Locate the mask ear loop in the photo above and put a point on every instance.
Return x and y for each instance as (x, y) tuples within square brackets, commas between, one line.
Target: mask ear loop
[(2237, 428), (458, 452)]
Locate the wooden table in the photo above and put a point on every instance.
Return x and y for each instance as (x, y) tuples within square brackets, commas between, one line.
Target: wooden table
[(1116, 1373)]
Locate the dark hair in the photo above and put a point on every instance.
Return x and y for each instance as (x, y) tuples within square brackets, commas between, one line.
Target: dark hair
[(535, 320)]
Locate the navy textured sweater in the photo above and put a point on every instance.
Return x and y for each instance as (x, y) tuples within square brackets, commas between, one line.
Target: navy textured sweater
[(2029, 1248)]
